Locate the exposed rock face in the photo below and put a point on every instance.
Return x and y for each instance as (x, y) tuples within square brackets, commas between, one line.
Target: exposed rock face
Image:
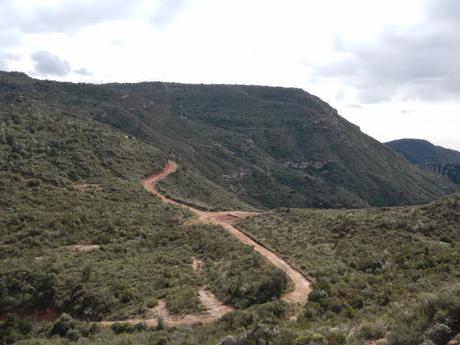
[(452, 171), (316, 165)]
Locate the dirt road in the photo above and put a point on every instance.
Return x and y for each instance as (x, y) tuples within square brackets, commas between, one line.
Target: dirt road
[(213, 308), (226, 219)]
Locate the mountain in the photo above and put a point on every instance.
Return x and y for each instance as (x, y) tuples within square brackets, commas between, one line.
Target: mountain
[(436, 159), (419, 151), (259, 147)]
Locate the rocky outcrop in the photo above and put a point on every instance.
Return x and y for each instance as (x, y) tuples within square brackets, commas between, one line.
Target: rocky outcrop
[(452, 171)]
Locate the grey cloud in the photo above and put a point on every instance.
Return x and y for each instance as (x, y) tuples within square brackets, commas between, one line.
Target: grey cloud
[(65, 17), (83, 72), (420, 63), (167, 11), (50, 64)]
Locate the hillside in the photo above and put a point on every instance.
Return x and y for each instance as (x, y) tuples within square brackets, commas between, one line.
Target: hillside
[(80, 235), (419, 151), (242, 146), (429, 157), (378, 273)]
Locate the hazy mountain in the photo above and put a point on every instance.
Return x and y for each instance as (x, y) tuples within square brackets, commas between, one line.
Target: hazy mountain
[(420, 151), (436, 159)]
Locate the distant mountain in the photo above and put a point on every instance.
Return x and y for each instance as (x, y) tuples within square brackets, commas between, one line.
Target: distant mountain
[(237, 146), (419, 151), (427, 156)]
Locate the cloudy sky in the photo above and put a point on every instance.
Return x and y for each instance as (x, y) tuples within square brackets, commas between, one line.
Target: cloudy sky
[(390, 66)]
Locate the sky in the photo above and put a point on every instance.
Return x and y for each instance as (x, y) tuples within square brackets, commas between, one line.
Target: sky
[(392, 67)]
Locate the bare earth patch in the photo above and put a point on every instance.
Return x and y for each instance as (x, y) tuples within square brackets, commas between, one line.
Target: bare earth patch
[(197, 265), (87, 187), (84, 247)]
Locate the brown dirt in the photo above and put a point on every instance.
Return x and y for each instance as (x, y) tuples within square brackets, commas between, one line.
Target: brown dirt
[(197, 265), (84, 247), (85, 187)]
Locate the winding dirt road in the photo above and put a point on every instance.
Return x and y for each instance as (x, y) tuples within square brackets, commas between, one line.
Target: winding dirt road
[(213, 308), (226, 219)]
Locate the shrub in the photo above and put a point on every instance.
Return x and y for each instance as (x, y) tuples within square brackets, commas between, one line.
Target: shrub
[(403, 335), (73, 335), (439, 333), (310, 339), (372, 331), (317, 294), (120, 327), (62, 325)]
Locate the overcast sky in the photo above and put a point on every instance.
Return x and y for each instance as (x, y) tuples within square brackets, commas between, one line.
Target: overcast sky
[(390, 66)]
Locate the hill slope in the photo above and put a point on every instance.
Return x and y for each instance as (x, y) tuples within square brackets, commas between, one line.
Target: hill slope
[(419, 151), (427, 156), (79, 234), (258, 146), (394, 267)]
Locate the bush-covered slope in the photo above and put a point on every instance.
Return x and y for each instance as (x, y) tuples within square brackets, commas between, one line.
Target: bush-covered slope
[(66, 180), (429, 157), (386, 265), (267, 147)]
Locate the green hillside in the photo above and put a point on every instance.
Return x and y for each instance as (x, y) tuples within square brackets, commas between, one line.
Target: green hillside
[(66, 180), (259, 146), (429, 157), (384, 273)]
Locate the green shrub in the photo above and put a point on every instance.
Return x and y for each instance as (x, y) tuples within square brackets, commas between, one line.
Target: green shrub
[(372, 331), (63, 324), (439, 333)]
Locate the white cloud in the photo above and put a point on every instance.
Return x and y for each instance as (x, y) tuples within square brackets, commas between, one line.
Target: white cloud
[(417, 62)]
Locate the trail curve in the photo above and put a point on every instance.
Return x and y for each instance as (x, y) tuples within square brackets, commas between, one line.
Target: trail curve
[(226, 219), (213, 308)]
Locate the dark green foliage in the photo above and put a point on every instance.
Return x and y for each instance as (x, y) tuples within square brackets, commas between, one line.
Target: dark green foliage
[(13, 329), (120, 327)]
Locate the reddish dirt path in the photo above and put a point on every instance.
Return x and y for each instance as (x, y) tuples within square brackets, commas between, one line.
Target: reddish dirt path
[(213, 308), (226, 219)]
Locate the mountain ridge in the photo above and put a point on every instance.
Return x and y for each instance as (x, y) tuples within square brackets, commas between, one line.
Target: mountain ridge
[(420, 151), (263, 147)]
